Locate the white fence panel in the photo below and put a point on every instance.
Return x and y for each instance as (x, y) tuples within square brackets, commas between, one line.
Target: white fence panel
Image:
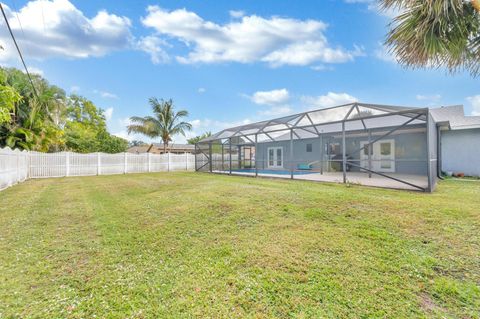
[(112, 164), (17, 166), (47, 165), (178, 162), (137, 163), (13, 167), (159, 163), (82, 164)]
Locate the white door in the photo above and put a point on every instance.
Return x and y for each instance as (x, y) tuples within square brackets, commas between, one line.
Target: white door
[(275, 157), (383, 156)]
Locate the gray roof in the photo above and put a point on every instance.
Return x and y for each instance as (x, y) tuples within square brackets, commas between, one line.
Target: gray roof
[(176, 146), (455, 116)]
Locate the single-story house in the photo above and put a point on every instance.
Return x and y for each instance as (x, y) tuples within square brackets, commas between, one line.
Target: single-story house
[(378, 145), (157, 148)]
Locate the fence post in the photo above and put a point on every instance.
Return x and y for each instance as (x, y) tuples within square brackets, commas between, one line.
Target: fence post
[(344, 156), (67, 164), (148, 161), (186, 161), (28, 163), (168, 163), (98, 164), (125, 163), (18, 166)]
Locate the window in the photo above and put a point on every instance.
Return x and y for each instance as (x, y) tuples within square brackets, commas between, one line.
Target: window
[(385, 148), (275, 157), (279, 156), (309, 147)]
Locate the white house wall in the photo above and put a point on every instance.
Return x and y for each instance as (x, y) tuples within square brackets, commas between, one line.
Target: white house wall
[(461, 151)]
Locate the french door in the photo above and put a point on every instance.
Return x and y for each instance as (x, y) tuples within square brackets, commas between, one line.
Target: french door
[(275, 157), (383, 156)]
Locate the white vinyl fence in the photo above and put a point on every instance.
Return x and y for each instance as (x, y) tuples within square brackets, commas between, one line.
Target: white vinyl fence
[(13, 167), (17, 166)]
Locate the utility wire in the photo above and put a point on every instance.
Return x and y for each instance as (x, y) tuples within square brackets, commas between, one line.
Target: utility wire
[(18, 19), (20, 24), (18, 49)]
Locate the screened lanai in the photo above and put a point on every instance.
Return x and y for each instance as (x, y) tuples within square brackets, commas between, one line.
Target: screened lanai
[(367, 144)]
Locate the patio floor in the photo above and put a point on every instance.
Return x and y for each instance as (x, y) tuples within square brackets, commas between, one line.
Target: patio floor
[(352, 177)]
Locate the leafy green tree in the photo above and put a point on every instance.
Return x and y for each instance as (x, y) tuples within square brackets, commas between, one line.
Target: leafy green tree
[(165, 122), (29, 125), (110, 143), (436, 33), (196, 139), (86, 129), (9, 97), (46, 120)]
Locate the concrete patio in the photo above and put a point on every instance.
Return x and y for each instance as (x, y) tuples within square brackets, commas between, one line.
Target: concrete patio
[(352, 177)]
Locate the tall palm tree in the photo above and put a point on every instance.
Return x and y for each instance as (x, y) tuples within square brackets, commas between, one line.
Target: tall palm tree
[(436, 33), (165, 123)]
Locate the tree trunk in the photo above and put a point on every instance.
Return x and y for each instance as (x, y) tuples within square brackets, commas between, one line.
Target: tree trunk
[(165, 144)]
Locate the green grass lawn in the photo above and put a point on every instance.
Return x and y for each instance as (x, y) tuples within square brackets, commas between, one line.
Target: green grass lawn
[(198, 245)]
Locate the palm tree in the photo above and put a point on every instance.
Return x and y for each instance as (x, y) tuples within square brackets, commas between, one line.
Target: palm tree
[(436, 33), (196, 139), (164, 124)]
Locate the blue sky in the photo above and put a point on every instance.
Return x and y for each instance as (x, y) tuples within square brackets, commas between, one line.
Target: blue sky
[(226, 62)]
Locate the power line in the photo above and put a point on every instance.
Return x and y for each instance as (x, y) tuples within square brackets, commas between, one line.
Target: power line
[(18, 49), (20, 24), (18, 19)]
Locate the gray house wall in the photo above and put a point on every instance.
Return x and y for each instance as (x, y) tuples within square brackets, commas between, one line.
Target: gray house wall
[(461, 151), (410, 151)]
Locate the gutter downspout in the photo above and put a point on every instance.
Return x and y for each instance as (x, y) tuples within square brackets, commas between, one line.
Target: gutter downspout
[(439, 152), (445, 124)]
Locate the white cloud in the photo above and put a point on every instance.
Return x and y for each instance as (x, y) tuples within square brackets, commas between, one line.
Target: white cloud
[(430, 98), (236, 13), (276, 111), (276, 41), (373, 5), (273, 97), (328, 100), (105, 94), (58, 29), (322, 67), (108, 113), (208, 124), (309, 52), (475, 103), (153, 46), (125, 136), (200, 126), (124, 121), (201, 90), (35, 70), (382, 53)]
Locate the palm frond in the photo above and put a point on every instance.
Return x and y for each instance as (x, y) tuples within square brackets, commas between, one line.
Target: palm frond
[(165, 122), (434, 34)]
